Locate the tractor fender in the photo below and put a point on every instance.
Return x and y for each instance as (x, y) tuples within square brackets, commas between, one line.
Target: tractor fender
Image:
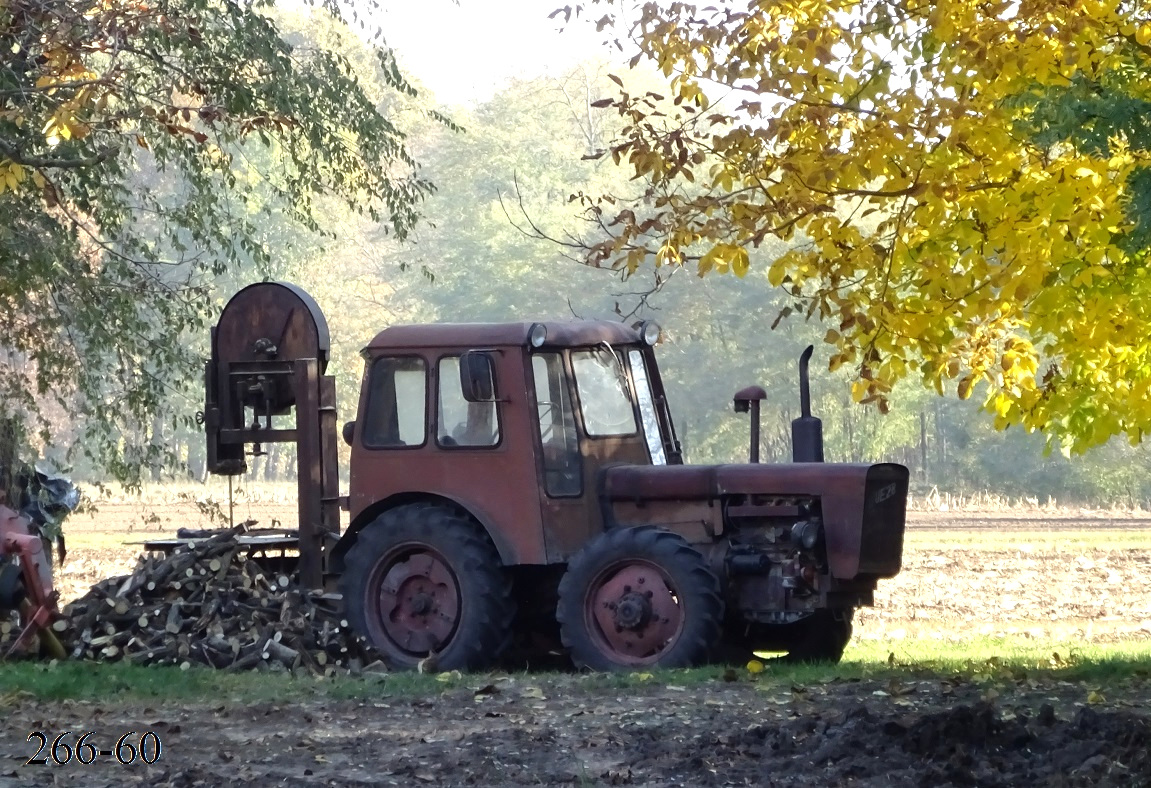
[(347, 540)]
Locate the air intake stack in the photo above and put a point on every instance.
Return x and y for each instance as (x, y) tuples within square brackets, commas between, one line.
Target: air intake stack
[(807, 430)]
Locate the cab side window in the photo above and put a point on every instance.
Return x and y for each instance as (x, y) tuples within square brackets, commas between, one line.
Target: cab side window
[(463, 423), (396, 413), (563, 475)]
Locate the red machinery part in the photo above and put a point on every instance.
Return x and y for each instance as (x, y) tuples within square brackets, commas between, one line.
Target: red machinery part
[(31, 593)]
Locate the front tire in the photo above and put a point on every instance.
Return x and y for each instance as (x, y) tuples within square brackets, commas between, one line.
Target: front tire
[(639, 597), (424, 581)]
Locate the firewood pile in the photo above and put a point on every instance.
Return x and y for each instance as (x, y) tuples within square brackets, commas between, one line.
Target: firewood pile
[(208, 604)]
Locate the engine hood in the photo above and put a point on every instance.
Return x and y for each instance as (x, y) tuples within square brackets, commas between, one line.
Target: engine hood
[(863, 505)]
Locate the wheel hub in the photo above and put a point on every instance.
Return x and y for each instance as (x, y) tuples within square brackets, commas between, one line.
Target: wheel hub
[(634, 613), (418, 602), (421, 604)]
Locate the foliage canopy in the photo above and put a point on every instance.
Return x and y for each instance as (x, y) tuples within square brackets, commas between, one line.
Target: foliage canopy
[(144, 147), (957, 178)]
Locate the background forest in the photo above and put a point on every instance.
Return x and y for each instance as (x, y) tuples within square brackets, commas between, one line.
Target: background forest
[(494, 245)]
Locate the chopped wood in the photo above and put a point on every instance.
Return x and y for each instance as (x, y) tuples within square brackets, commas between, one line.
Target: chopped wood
[(208, 603)]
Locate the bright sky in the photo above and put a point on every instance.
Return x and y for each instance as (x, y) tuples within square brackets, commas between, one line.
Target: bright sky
[(464, 52)]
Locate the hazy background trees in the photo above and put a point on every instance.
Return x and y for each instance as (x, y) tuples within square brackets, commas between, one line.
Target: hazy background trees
[(493, 245)]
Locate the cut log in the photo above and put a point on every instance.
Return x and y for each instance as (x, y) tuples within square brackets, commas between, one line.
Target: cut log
[(208, 604)]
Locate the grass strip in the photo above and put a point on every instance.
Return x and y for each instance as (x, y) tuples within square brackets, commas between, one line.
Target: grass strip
[(979, 659)]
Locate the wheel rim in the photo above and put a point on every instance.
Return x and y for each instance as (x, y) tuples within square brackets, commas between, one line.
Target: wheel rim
[(633, 612), (413, 600)]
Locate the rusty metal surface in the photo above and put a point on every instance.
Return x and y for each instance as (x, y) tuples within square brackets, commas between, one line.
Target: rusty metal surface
[(699, 521), (279, 312), (415, 601), (562, 333), (570, 522), (855, 544), (497, 484), (501, 486), (795, 479)]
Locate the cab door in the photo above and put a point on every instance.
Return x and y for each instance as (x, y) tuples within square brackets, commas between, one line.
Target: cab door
[(586, 420), (561, 474)]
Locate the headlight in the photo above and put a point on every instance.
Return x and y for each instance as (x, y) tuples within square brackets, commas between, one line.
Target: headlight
[(649, 331), (805, 534), (538, 334)]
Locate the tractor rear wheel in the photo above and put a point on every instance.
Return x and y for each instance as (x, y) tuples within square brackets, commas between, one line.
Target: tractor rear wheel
[(639, 597), (424, 581)]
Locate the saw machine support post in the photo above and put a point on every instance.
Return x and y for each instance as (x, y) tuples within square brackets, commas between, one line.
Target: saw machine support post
[(270, 350)]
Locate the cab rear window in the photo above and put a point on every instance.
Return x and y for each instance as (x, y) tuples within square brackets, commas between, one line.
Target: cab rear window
[(396, 413)]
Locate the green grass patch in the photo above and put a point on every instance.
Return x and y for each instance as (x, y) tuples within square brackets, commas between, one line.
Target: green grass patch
[(979, 655), (112, 681), (998, 659)]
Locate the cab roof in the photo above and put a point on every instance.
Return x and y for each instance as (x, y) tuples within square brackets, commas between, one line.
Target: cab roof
[(560, 333)]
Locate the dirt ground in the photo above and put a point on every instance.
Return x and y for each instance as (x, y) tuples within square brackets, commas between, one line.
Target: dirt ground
[(521, 732), (997, 730)]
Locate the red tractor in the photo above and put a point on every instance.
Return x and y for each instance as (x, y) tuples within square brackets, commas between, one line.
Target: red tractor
[(26, 584), (26, 556), (521, 478)]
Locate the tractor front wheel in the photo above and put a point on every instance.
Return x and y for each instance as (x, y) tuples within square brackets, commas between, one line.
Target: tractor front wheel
[(639, 597), (424, 581)]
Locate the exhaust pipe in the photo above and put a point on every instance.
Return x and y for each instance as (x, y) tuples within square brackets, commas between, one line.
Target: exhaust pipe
[(807, 430)]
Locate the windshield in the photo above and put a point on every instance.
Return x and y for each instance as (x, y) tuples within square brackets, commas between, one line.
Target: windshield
[(647, 408), (604, 399)]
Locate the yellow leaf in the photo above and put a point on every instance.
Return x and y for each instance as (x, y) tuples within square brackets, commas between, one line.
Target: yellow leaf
[(1095, 696), (740, 263), (755, 667)]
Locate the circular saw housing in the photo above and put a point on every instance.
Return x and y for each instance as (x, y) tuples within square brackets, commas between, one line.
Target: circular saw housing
[(271, 321)]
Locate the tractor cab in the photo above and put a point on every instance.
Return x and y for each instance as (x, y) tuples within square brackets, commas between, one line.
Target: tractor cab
[(513, 422)]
